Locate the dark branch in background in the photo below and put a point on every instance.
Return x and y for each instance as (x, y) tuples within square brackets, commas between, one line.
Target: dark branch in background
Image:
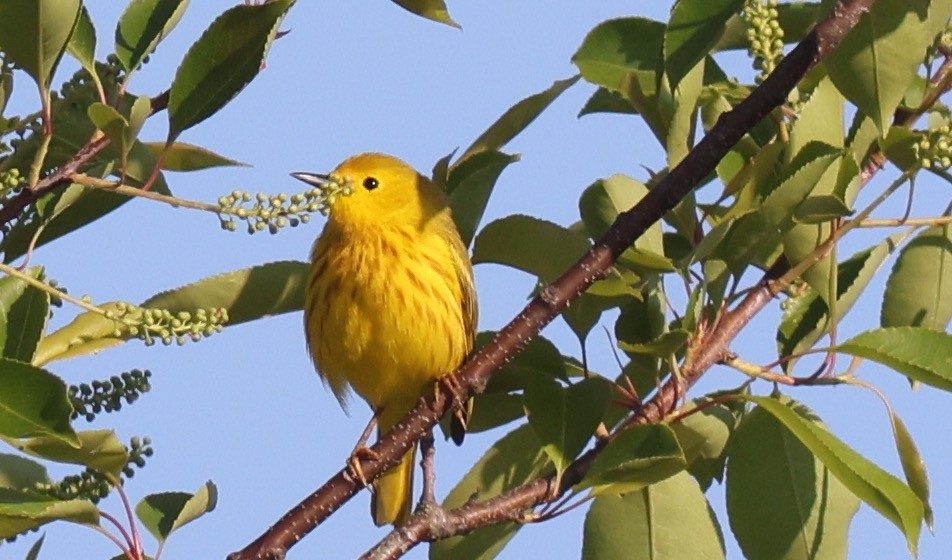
[(473, 376), (61, 177), (708, 352)]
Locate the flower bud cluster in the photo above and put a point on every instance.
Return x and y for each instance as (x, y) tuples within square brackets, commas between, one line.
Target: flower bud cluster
[(274, 212), (764, 35), (934, 150), (151, 325)]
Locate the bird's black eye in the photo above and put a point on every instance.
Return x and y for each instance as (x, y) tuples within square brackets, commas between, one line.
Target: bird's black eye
[(370, 183)]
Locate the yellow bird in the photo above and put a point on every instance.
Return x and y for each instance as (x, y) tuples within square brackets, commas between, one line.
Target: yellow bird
[(390, 303)]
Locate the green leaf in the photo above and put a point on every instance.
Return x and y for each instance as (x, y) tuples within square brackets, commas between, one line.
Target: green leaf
[(913, 467), (33, 34), (24, 311), (248, 294), (619, 50), (441, 170), (98, 449), (87, 334), (20, 473), (602, 202), (82, 43), (163, 513), (919, 288), (694, 28), (875, 63), (781, 501), (112, 124), (802, 177), (492, 410), (222, 62), (642, 321), (180, 156), (25, 511), (540, 358), (33, 402), (680, 136), (662, 347), (6, 87), (515, 240), (819, 120), (807, 317), (141, 27), (759, 225), (638, 456), (516, 119), (901, 147), (469, 185), (703, 436), (798, 179), (625, 55), (430, 9), (669, 520), (919, 353), (584, 312), (497, 405), (564, 418), (607, 101), (881, 490), (513, 460)]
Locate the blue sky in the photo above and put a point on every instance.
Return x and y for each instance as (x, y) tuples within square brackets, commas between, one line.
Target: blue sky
[(245, 408)]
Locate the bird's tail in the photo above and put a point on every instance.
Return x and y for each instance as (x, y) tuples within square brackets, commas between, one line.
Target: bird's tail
[(393, 491)]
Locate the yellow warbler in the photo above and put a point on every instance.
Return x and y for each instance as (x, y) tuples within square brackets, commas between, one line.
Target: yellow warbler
[(390, 303)]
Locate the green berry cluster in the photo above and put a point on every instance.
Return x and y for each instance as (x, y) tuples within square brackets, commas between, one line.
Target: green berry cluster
[(80, 90), (89, 485), (934, 150), (10, 181), (139, 450), (93, 485), (151, 325), (90, 399), (277, 211), (764, 35)]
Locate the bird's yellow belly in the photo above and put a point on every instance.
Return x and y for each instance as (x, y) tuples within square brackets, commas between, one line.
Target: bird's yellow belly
[(386, 327)]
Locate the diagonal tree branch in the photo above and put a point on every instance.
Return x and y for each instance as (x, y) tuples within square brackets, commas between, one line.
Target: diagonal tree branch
[(511, 506), (473, 376)]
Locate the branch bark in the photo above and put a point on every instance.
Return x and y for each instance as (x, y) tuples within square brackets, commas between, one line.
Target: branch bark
[(473, 376)]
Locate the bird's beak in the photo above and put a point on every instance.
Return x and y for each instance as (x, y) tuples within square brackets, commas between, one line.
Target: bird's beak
[(313, 179)]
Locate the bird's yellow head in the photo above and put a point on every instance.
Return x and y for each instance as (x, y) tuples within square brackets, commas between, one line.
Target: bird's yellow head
[(370, 189)]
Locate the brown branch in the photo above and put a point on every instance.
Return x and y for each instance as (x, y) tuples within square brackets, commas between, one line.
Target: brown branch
[(712, 350), (61, 177), (512, 505), (474, 375)]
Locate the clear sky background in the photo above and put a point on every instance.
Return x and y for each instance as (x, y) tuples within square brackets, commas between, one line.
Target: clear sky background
[(245, 408)]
